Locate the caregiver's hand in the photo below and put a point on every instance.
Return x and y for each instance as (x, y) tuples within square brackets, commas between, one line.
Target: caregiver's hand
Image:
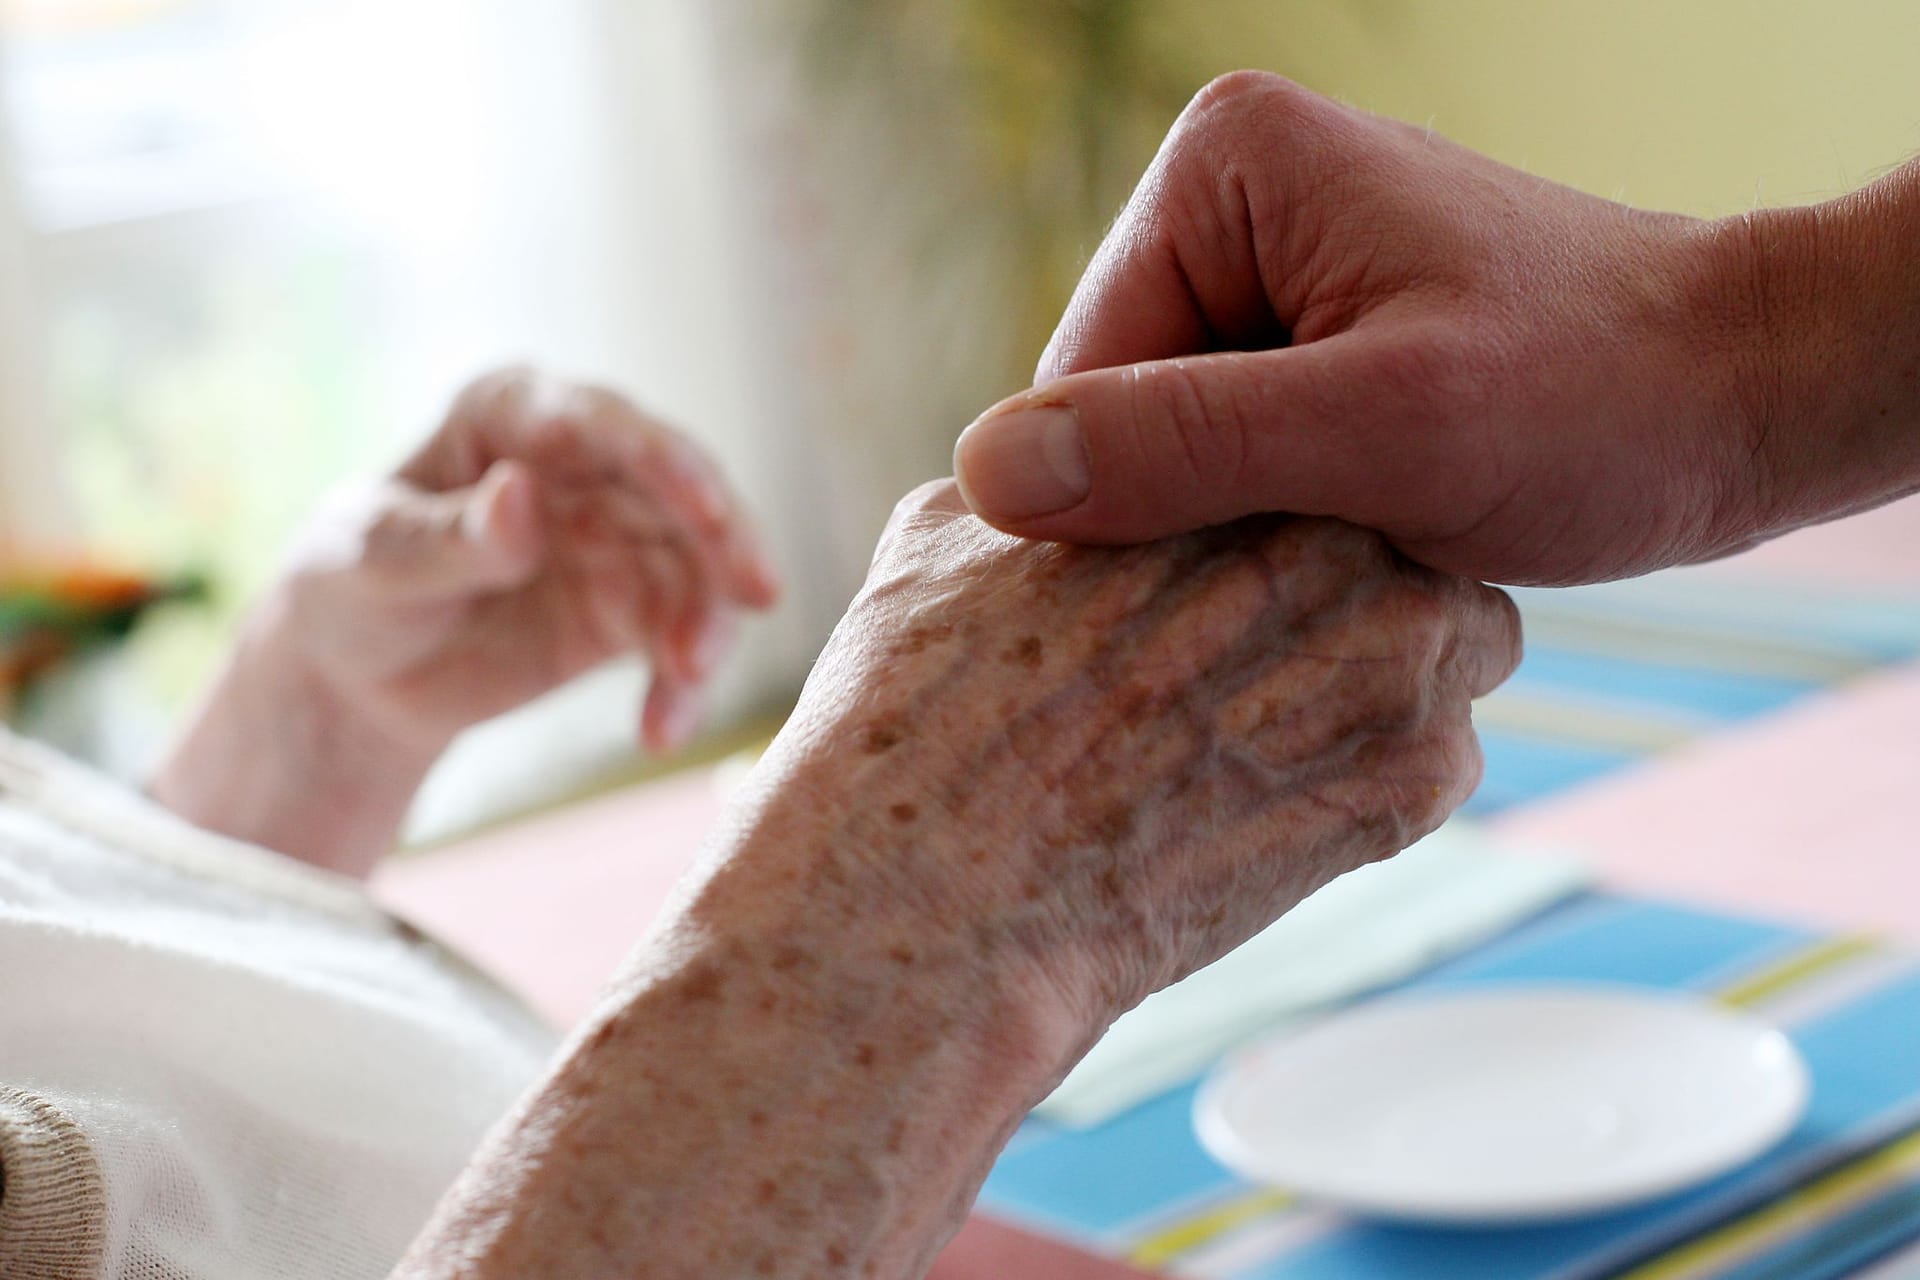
[(1308, 308), (545, 528), (1026, 785)]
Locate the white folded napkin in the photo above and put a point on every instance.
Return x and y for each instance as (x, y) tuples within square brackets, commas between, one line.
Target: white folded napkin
[(1368, 929)]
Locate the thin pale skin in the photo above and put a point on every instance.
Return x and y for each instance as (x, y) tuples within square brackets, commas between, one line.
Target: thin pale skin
[(545, 528), (1027, 785)]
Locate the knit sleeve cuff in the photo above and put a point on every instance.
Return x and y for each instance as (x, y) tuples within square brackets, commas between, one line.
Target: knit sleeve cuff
[(53, 1204)]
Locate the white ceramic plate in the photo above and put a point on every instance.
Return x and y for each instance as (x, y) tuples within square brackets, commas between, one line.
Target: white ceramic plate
[(1504, 1104)]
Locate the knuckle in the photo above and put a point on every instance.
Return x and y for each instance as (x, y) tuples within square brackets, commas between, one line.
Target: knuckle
[(305, 595), (930, 496), (1237, 95), (1232, 124), (602, 404), (924, 506), (493, 389), (1254, 116), (1426, 617), (388, 533)]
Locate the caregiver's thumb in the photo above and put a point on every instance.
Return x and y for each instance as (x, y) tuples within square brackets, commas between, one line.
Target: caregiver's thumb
[(1142, 451)]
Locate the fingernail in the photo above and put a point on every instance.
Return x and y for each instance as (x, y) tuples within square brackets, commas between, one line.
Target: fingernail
[(711, 645), (1017, 463)]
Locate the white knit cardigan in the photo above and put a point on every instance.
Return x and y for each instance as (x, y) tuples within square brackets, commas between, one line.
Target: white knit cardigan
[(215, 1063)]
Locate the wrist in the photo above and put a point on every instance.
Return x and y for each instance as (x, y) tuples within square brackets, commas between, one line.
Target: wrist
[(1828, 361), (885, 903), (277, 757)]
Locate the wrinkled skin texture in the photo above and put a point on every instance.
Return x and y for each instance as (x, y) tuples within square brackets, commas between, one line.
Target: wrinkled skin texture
[(1311, 309), (1154, 751), (545, 528), (1026, 785)]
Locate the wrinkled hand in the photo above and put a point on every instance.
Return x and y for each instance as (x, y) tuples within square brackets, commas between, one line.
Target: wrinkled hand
[(1311, 309), (1026, 785), (1124, 762), (545, 528)]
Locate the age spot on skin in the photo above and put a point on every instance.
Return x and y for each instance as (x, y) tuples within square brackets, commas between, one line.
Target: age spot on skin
[(1028, 653), (704, 986), (767, 1190), (1115, 825), (864, 1054), (788, 958), (903, 812), (903, 955), (918, 638), (881, 736)]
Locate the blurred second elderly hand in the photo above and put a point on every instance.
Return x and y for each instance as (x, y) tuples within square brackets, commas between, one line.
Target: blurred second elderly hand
[(1026, 785), (545, 527)]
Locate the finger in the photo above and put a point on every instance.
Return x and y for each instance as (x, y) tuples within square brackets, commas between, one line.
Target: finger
[(753, 579), (1187, 267), (1492, 642), (486, 537), (728, 553), (660, 472), (708, 640), (584, 439), (670, 715), (661, 580), (637, 598), (711, 512), (1349, 427)]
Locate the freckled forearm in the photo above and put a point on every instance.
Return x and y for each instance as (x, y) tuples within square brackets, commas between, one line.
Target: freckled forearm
[(764, 1091), (979, 839)]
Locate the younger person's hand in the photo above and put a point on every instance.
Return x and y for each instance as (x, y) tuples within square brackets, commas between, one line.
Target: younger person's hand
[(1309, 309)]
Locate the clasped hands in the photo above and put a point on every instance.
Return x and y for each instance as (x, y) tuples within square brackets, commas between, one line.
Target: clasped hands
[(1026, 785)]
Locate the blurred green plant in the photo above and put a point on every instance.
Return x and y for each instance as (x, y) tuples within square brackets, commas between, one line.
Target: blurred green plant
[(1025, 120), (51, 617)]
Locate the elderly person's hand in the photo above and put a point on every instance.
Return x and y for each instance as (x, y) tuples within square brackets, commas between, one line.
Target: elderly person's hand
[(1026, 785), (1308, 308), (545, 528)]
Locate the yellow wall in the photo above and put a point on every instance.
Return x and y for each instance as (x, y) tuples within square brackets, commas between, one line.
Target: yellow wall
[(1705, 106)]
